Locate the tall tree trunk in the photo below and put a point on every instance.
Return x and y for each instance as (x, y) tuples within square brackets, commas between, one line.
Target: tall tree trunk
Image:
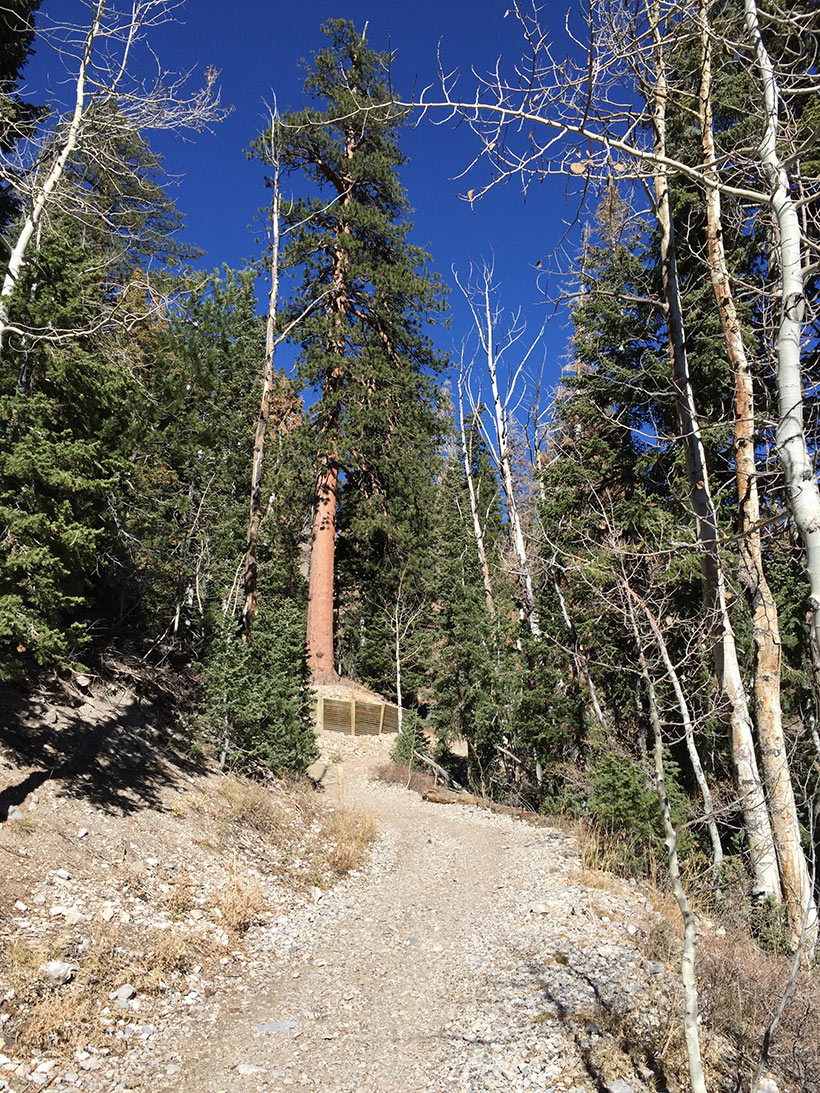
[(502, 437), (478, 530), (250, 576), (792, 445), (320, 621), (755, 815), (320, 628), (794, 873)]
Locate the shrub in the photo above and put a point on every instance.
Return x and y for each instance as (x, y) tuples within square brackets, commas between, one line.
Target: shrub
[(256, 697), (410, 740)]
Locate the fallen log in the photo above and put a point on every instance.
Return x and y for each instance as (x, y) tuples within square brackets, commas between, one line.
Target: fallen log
[(439, 795)]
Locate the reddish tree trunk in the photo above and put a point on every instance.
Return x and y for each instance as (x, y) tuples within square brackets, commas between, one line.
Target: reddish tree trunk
[(322, 563)]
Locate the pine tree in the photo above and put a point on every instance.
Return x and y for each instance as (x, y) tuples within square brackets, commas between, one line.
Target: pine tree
[(366, 364)]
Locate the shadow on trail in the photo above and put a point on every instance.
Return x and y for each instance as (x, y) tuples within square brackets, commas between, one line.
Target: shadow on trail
[(116, 757)]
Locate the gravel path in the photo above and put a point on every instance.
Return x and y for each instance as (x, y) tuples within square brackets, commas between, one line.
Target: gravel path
[(472, 955)]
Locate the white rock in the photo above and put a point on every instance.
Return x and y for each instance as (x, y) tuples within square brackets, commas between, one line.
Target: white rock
[(81, 834), (539, 909), (248, 1069), (123, 993), (63, 874), (58, 972), (20, 906)]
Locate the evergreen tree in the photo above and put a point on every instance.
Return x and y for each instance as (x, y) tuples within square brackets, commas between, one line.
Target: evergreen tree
[(366, 364)]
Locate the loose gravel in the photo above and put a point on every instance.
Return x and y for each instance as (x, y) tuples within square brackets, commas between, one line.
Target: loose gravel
[(471, 953)]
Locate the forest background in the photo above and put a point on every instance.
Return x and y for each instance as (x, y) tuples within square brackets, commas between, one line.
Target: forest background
[(587, 546)]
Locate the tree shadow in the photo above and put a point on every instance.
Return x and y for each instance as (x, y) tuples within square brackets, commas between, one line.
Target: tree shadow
[(116, 757)]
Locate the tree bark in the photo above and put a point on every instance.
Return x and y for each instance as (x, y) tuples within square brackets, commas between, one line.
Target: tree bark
[(792, 445), (755, 815), (320, 628), (320, 621), (250, 575), (794, 873)]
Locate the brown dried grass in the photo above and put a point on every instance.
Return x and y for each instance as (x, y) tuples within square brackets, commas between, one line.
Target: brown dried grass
[(741, 988), (348, 834), (399, 774)]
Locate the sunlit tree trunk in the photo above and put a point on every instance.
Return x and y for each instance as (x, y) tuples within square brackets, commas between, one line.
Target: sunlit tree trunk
[(250, 575), (755, 815), (794, 873), (478, 530)]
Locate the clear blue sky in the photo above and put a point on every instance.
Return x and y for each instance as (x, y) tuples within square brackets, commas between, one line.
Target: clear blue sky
[(257, 45)]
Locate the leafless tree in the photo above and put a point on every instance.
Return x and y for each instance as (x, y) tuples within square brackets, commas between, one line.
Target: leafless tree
[(119, 89), (495, 342)]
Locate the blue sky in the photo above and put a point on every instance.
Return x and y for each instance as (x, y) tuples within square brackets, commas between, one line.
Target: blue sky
[(258, 45)]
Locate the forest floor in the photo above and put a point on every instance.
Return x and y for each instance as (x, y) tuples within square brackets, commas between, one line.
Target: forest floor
[(207, 949)]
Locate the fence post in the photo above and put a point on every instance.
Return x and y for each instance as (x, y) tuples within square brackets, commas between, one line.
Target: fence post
[(320, 712), (381, 717), (353, 717)]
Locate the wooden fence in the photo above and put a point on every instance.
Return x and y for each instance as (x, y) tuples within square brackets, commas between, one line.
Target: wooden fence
[(356, 718)]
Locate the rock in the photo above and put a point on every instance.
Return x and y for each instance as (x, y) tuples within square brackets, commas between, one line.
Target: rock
[(83, 682), (152, 863), (74, 916), (274, 1026), (539, 909), (58, 972), (124, 993), (81, 834), (107, 912), (20, 906), (249, 1069), (767, 1084), (50, 717), (62, 874), (618, 1085)]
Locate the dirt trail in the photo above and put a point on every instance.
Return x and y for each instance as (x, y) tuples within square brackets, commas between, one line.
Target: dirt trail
[(420, 976)]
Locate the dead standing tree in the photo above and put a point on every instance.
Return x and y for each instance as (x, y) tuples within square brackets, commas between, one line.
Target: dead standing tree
[(112, 101), (494, 344)]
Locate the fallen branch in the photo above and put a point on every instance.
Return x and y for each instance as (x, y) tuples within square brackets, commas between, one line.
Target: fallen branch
[(439, 770)]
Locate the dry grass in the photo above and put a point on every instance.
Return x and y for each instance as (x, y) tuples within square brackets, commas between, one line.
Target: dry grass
[(740, 990), (301, 828), (399, 774), (348, 834), (240, 903), (57, 1022)]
